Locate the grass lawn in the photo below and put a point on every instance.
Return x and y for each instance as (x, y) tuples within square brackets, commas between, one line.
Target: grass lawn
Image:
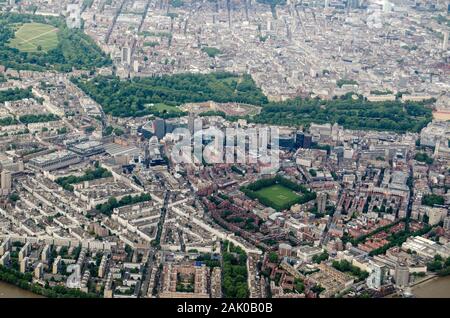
[(163, 107), (278, 194), (29, 37)]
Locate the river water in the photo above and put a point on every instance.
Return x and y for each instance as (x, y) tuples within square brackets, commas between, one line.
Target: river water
[(435, 288), (11, 291)]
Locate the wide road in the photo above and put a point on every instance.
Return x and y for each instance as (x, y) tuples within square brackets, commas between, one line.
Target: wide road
[(148, 272), (113, 24), (153, 250), (141, 24)]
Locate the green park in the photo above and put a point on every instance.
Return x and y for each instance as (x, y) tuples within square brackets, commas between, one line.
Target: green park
[(35, 37), (278, 195), (278, 192)]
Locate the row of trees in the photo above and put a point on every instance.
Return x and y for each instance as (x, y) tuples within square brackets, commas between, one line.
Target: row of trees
[(39, 118), (13, 94), (348, 112), (7, 121), (439, 265), (211, 51), (346, 267), (362, 238), (108, 207), (423, 157), (432, 200), (320, 257), (97, 173), (272, 3), (234, 283), (207, 259), (397, 239), (343, 82), (264, 183)]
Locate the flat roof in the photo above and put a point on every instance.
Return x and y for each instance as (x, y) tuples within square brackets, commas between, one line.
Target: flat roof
[(87, 145), (115, 150), (53, 156)]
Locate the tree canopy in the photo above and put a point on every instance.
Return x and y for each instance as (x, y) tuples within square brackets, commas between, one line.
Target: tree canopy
[(234, 283), (125, 98), (432, 199)]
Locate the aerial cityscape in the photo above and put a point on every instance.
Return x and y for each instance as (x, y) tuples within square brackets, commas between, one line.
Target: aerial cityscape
[(224, 149)]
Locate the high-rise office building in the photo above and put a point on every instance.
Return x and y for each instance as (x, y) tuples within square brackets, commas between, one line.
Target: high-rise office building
[(195, 123), (445, 41), (286, 141), (303, 140), (299, 137), (172, 124), (73, 19), (447, 223), (269, 25), (159, 128), (307, 141), (353, 4), (191, 121), (6, 181), (321, 202), (387, 6), (39, 271), (24, 265), (375, 279), (126, 55)]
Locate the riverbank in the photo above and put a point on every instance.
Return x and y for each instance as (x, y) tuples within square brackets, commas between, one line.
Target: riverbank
[(11, 291), (437, 287), (25, 282)]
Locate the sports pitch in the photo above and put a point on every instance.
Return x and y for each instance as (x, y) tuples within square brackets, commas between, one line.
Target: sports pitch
[(278, 194), (30, 36)]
